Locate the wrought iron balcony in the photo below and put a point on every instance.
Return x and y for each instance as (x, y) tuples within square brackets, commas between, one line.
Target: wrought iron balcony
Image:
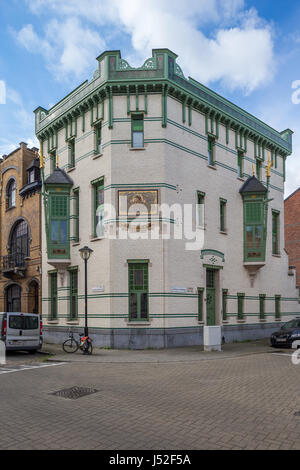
[(14, 264)]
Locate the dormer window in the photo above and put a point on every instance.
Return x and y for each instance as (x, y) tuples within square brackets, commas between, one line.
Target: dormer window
[(11, 194)]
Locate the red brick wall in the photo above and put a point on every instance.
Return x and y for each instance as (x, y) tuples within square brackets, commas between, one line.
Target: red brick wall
[(292, 230)]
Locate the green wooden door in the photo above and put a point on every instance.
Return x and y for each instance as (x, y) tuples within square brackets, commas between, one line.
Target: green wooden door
[(138, 291), (210, 298)]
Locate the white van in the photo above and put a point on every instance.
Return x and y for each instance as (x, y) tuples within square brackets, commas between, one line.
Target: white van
[(21, 331)]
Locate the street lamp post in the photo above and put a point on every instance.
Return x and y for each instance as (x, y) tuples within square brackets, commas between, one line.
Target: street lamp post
[(85, 254)]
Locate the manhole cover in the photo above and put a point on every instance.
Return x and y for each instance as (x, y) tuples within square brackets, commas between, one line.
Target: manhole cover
[(297, 413), (74, 392)]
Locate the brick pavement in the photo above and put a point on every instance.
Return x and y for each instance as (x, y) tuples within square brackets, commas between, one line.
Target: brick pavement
[(235, 403)]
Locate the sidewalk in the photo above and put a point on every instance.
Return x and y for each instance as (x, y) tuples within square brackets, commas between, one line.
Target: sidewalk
[(188, 354)]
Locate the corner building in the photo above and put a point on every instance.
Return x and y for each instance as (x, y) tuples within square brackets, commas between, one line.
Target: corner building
[(145, 136)]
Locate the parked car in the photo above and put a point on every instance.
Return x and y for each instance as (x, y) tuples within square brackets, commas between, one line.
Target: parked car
[(288, 334), (21, 331)]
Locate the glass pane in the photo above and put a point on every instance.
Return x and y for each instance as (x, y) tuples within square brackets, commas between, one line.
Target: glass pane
[(133, 308), (31, 323), (144, 305), (138, 277), (54, 231), (100, 196), (15, 322), (137, 139), (249, 236), (210, 278), (258, 236), (63, 231), (100, 222)]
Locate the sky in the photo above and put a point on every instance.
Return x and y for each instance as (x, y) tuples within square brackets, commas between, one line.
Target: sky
[(248, 51)]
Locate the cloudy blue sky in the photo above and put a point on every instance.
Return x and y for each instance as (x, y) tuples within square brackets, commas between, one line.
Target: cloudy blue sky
[(248, 51)]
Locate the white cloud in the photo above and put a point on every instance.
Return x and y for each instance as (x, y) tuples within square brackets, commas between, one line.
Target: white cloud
[(239, 51), (68, 47)]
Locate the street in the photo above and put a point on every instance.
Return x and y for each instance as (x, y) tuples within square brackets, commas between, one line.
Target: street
[(238, 402)]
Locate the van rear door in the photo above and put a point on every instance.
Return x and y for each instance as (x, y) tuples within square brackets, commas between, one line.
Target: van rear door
[(23, 330), (14, 336), (31, 330)]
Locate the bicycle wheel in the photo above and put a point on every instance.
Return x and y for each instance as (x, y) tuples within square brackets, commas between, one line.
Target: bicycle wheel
[(70, 345)]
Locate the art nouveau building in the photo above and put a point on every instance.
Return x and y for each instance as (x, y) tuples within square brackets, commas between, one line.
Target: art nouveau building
[(136, 139), (20, 234)]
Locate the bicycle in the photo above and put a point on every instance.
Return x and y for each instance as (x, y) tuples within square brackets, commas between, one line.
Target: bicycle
[(71, 345)]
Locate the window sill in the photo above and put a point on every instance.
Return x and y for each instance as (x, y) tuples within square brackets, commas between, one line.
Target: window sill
[(278, 319), (225, 322), (138, 323), (10, 208), (213, 167), (223, 232), (201, 323), (76, 243), (132, 149), (262, 320), (73, 322), (240, 178), (241, 321), (98, 155), (276, 256), (71, 169), (52, 322), (94, 239)]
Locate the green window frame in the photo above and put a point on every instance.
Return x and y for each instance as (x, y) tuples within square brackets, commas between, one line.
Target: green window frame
[(240, 160), (73, 303), (200, 209), (210, 151), (277, 306), (254, 239), (59, 220), (275, 232), (71, 148), (76, 215), (98, 138), (138, 280), (53, 313), (223, 203), (137, 130), (224, 303), (240, 302), (98, 208), (200, 303), (262, 299)]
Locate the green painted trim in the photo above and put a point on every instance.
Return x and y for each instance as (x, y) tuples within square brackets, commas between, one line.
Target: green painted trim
[(212, 252)]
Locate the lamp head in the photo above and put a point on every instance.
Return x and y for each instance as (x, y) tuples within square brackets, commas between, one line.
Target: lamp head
[(85, 253)]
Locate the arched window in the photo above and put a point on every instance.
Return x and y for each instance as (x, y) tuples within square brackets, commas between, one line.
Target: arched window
[(13, 298), (19, 243), (11, 194)]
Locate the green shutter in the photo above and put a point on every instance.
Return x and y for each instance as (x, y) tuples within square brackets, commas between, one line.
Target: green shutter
[(240, 315), (262, 298), (53, 296), (73, 273), (224, 303), (277, 306), (200, 303)]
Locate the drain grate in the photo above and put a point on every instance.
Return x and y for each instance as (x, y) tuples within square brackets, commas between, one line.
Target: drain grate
[(74, 392)]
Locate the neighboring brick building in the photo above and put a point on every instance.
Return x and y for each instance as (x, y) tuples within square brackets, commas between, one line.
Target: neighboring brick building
[(292, 230), (20, 234)]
